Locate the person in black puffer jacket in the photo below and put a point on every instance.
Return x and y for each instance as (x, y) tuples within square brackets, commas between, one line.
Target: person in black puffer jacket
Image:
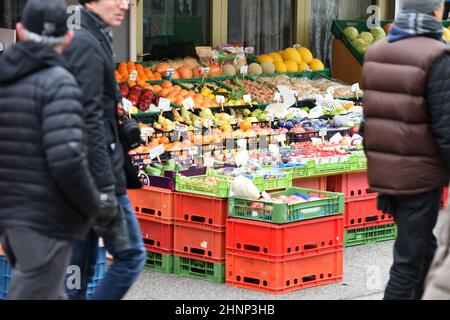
[(48, 197)]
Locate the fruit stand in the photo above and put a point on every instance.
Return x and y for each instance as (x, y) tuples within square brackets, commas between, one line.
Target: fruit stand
[(253, 168), (280, 127)]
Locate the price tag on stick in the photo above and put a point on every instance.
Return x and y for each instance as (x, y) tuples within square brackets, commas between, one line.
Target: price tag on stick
[(133, 75), (164, 104), (220, 100), (244, 70), (189, 104), (248, 99), (127, 106), (356, 89)]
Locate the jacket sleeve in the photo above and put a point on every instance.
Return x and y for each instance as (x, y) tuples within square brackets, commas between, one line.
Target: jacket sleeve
[(87, 65), (438, 94), (65, 146)]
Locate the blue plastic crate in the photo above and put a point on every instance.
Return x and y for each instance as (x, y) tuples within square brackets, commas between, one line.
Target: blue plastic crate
[(100, 270), (5, 276)]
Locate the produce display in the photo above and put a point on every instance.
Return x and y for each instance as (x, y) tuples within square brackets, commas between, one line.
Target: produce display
[(362, 40), (298, 59), (258, 91), (307, 89)]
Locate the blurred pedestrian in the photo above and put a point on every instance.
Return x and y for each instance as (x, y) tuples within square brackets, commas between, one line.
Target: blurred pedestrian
[(438, 279), (48, 197), (90, 57), (407, 136)]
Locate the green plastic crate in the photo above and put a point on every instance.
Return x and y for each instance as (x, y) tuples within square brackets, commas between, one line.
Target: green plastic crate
[(307, 74), (222, 188), (358, 162), (159, 262), (194, 185), (339, 26), (329, 168), (370, 235), (331, 204), (197, 269)]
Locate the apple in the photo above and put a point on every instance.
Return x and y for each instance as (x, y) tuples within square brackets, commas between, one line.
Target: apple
[(353, 131)]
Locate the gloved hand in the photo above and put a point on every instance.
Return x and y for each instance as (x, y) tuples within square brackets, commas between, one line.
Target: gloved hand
[(117, 233), (109, 208)]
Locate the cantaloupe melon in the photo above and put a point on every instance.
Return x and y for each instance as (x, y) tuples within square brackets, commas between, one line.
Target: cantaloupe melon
[(292, 54), (229, 70), (268, 67), (255, 68)]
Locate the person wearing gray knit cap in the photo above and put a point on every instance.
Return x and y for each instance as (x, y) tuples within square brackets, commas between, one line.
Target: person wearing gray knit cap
[(406, 82), (421, 6)]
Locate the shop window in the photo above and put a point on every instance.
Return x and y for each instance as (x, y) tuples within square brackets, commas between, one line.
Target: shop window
[(172, 28), (266, 25), (323, 13)]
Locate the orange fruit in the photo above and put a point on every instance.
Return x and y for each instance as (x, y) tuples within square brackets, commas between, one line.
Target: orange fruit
[(164, 140), (157, 88), (177, 88), (167, 84), (164, 92)]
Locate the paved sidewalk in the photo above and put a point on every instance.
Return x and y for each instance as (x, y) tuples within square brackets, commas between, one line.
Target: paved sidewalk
[(366, 270), (366, 273)]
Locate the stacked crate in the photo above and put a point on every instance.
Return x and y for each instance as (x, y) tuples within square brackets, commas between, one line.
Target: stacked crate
[(363, 222), (154, 209), (279, 248), (100, 270), (199, 236)]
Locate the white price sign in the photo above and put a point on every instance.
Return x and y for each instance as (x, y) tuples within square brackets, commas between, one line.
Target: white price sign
[(193, 152), (209, 162), (247, 98), (220, 99), (330, 91), (274, 149), (242, 143), (242, 158), (296, 46), (127, 105), (281, 138), (249, 50), (133, 75), (164, 104), (189, 103), (204, 70), (277, 97), (170, 71), (156, 152), (147, 132), (244, 69), (355, 87)]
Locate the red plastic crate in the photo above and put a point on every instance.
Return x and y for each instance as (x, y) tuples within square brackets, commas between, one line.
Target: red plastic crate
[(281, 276), (305, 238), (196, 242), (362, 212), (154, 203), (156, 235), (203, 211), (352, 185), (444, 200), (318, 183)]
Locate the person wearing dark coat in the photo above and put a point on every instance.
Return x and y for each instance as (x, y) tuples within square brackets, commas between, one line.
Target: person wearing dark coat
[(407, 136), (90, 57), (48, 197)]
